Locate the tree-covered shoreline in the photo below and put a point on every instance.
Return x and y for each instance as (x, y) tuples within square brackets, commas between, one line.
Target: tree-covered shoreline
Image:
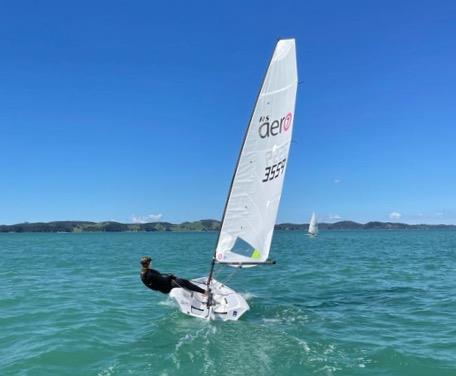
[(199, 226)]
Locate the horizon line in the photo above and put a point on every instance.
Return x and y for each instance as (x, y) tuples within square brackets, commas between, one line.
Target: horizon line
[(217, 220)]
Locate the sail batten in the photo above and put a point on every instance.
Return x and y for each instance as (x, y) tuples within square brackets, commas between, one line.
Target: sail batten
[(275, 91), (253, 201)]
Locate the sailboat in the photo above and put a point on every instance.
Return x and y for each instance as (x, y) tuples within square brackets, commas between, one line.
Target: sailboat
[(313, 226), (251, 208)]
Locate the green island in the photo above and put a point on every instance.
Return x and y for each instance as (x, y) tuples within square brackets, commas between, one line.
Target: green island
[(200, 226)]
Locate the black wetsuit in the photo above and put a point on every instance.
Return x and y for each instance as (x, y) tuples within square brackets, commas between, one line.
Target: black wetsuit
[(166, 282)]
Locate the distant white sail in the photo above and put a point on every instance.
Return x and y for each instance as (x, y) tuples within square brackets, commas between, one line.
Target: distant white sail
[(313, 225), (253, 201)]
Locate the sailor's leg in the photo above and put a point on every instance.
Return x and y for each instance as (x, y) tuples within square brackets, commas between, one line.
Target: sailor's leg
[(186, 284)]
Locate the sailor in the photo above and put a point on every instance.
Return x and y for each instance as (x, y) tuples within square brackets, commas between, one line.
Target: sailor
[(163, 282)]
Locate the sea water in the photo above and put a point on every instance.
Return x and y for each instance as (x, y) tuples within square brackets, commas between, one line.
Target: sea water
[(343, 303)]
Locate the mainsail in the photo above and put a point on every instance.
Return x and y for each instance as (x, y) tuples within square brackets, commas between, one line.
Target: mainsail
[(313, 226), (253, 201)]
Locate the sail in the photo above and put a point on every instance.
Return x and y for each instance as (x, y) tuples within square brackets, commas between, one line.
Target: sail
[(313, 226), (253, 201)]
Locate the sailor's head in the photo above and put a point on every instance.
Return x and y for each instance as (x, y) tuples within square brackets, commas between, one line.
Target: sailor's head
[(145, 261)]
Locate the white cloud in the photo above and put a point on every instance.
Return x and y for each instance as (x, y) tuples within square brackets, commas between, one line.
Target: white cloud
[(395, 215), (146, 218), (439, 214), (337, 181), (334, 217)]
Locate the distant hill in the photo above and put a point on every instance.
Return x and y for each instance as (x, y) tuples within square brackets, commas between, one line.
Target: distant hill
[(199, 226), (350, 225), (85, 226)]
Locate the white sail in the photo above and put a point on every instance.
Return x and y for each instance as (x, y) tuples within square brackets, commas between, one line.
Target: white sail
[(254, 198), (313, 225)]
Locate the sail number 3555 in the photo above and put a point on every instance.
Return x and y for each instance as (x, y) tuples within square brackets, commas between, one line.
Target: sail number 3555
[(274, 171)]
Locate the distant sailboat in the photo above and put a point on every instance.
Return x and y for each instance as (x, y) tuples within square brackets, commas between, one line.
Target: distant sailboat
[(253, 200), (313, 225)]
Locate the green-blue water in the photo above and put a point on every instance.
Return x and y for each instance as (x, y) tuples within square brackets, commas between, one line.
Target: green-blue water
[(345, 303)]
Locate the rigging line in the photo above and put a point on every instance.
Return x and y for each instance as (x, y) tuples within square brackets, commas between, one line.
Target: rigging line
[(231, 275)]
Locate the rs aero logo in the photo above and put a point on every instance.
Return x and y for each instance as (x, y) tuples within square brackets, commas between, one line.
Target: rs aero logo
[(273, 128)]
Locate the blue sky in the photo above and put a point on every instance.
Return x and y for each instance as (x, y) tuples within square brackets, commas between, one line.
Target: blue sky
[(110, 110)]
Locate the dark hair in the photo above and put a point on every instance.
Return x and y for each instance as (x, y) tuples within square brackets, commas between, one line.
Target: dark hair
[(145, 261)]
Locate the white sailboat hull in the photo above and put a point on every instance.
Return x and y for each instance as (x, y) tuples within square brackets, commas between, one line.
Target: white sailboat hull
[(228, 304)]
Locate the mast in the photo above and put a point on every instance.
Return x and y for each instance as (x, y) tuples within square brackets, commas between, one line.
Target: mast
[(211, 272)]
